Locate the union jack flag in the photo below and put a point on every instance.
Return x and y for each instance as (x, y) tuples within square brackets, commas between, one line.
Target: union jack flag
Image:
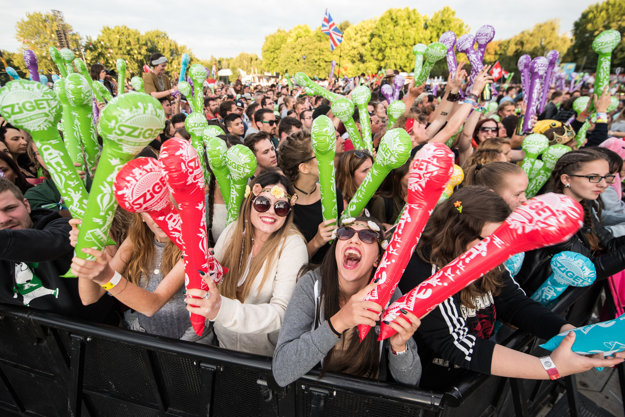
[(329, 28)]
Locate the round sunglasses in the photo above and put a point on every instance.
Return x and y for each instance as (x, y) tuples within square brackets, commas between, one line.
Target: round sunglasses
[(365, 235), (262, 204)]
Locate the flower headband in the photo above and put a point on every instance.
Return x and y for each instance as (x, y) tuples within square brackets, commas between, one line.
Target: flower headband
[(277, 192)]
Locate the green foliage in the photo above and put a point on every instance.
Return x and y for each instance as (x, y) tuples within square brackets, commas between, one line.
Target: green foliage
[(609, 14), (248, 63), (37, 31)]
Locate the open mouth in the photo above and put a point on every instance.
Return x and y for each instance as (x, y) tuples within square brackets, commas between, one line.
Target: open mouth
[(267, 220), (351, 258)]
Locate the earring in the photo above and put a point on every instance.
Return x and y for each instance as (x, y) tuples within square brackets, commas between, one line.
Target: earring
[(567, 185)]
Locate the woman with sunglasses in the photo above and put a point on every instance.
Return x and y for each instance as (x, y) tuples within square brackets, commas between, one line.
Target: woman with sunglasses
[(298, 162), (320, 325), (582, 175), (264, 252), (457, 335)]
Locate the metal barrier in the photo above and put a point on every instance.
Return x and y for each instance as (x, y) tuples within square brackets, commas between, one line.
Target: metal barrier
[(54, 366)]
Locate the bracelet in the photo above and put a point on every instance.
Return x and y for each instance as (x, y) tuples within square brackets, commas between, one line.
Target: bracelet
[(333, 329), (481, 109), (601, 118), (403, 352), (550, 367), (470, 101), (112, 282), (452, 97), (471, 96)]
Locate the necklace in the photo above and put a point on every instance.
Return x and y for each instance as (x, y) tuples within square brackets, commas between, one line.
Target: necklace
[(304, 192)]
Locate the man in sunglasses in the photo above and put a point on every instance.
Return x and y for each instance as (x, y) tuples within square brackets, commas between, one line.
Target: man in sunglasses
[(265, 121)]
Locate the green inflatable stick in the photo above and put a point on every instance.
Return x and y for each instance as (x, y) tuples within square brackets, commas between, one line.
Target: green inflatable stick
[(71, 132), (303, 80), (580, 136), (361, 97), (393, 152), (452, 139), (80, 98), (127, 124), (538, 165), (67, 55), (185, 89), (288, 80), (195, 123), (394, 111), (58, 61), (216, 154), (613, 104), (31, 106), (433, 53), (418, 50), (491, 107), (137, 84), (580, 104), (323, 137), (603, 45), (121, 76), (197, 73), (241, 163), (82, 69), (549, 157), (101, 91), (533, 145), (343, 108)]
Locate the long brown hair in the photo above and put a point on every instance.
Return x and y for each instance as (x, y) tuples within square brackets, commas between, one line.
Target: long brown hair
[(141, 257), (239, 249), (449, 231), (492, 175), (348, 163), (363, 358)]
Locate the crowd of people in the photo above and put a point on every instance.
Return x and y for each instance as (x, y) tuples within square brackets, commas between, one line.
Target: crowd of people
[(296, 283)]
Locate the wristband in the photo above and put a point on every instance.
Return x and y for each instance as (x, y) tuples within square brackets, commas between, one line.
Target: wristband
[(113, 281), (403, 352), (550, 367), (601, 118), (471, 96), (470, 101), (333, 329), (453, 97)]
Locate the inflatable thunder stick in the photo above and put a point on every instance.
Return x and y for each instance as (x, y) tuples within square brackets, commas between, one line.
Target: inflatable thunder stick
[(67, 55), (449, 40), (185, 181), (32, 65), (71, 132), (398, 85), (394, 111), (603, 45), (607, 337), (137, 84), (464, 45), (419, 50), (552, 59), (524, 69), (533, 145), (33, 107), (514, 263), (127, 124), (343, 108), (12, 73), (121, 76), (549, 157), (323, 139), (79, 96), (99, 90), (393, 152), (538, 67), (58, 61), (184, 64), (429, 172), (216, 155), (241, 163), (433, 53), (198, 75), (456, 178), (569, 269), (303, 80), (195, 124), (387, 92), (544, 220), (140, 187), (483, 36), (361, 97)]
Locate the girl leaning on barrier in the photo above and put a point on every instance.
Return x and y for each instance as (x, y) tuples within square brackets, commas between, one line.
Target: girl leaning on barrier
[(327, 306)]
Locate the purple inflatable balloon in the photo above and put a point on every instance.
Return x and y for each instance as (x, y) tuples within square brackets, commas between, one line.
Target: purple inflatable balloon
[(483, 36), (552, 58), (31, 63), (538, 67), (524, 69), (449, 40), (387, 92), (398, 84), (332, 71), (465, 45)]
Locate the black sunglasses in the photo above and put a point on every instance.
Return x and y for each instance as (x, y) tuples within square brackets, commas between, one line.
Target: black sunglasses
[(262, 204), (488, 129), (269, 122), (365, 235)]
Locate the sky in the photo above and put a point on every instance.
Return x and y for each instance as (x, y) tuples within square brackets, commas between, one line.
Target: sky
[(225, 29)]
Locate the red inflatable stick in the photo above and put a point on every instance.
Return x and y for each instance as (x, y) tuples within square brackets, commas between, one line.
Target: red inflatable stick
[(185, 180), (140, 187), (544, 220), (430, 171)]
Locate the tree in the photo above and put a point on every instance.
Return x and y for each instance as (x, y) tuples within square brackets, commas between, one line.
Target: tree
[(595, 19), (271, 50), (357, 48), (117, 42), (37, 31), (249, 63)]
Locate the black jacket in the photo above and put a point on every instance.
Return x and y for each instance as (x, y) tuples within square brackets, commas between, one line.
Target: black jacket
[(31, 264)]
